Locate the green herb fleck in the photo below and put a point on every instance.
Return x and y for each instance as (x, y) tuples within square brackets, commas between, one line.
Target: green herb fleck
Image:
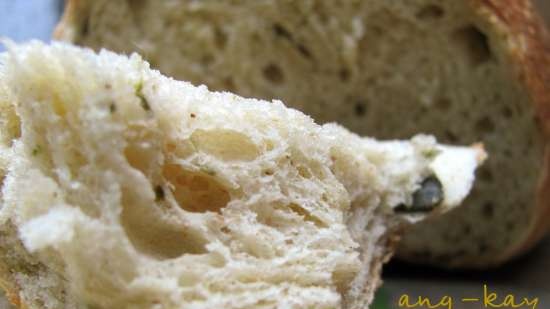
[(430, 153), (112, 108), (139, 94), (36, 150)]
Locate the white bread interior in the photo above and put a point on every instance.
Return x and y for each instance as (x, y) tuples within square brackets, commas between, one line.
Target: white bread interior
[(122, 188)]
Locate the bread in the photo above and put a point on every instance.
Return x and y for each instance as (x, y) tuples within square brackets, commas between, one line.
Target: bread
[(126, 189), (4, 304), (465, 70), (544, 9)]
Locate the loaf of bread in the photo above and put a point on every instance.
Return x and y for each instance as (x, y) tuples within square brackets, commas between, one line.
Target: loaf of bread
[(462, 70), (122, 188)]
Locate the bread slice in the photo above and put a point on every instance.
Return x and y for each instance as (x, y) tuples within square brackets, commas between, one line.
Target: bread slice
[(126, 189), (465, 70)]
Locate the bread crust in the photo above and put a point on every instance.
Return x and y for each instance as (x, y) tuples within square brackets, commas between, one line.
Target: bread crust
[(528, 47)]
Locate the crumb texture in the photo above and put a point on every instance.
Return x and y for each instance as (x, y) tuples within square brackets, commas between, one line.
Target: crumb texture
[(122, 188), (384, 68)]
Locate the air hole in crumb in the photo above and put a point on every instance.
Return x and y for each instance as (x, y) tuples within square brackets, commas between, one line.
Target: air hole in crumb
[(225, 144), (152, 234), (302, 49), (159, 239), (159, 193), (507, 112), (430, 12), (488, 210), (140, 157), (170, 147), (485, 125), (207, 59), (360, 109), (303, 171), (299, 210), (474, 44), (220, 38), (195, 191), (344, 74), (443, 104), (273, 74), (281, 32)]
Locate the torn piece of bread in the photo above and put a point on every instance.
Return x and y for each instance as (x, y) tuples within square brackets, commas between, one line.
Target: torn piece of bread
[(126, 189), (465, 71)]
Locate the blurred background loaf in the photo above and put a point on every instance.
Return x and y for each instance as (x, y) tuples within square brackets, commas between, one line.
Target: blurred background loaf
[(544, 9)]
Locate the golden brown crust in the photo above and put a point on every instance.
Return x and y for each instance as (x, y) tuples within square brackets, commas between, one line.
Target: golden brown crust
[(528, 43)]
